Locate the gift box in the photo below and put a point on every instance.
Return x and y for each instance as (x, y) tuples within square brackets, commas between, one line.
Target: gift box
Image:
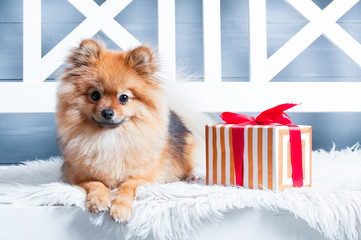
[(259, 153)]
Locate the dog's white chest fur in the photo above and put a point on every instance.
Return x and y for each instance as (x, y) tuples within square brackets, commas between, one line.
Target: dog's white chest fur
[(111, 156)]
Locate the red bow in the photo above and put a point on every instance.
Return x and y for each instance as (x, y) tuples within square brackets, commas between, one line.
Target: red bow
[(273, 115)]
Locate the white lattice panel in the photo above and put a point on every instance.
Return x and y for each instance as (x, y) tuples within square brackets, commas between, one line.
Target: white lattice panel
[(35, 95)]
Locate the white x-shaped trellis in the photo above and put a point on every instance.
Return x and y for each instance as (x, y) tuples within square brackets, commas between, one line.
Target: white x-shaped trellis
[(321, 22), (97, 18), (255, 95), (33, 95)]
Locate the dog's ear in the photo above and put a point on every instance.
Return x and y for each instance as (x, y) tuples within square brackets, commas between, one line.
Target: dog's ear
[(142, 60), (86, 54)]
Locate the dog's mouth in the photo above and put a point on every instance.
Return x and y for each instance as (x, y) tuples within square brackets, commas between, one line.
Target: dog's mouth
[(108, 124)]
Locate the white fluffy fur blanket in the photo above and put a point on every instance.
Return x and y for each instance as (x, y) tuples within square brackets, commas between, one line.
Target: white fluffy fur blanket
[(332, 205)]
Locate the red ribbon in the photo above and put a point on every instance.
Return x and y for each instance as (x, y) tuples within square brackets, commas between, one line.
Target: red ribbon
[(272, 116)]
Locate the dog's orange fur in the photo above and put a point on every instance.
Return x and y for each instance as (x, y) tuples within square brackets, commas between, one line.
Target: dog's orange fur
[(138, 151)]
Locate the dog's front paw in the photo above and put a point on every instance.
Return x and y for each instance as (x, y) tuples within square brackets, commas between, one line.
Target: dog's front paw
[(98, 202), (121, 211)]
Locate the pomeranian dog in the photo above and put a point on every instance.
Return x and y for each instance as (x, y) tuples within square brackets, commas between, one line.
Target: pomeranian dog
[(115, 128)]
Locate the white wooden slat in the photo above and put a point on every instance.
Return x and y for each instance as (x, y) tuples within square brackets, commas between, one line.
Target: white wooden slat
[(326, 20), (210, 155), (291, 49), (56, 56), (257, 41), (321, 21), (335, 10), (120, 35), (265, 156), (97, 17), (166, 38), (28, 97), (113, 7), (32, 41), (219, 155), (245, 156), (212, 41), (254, 152), (338, 36), (241, 96), (86, 7), (308, 9), (255, 97), (108, 25), (298, 43), (246, 97)]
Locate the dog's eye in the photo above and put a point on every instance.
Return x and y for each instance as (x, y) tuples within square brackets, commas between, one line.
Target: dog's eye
[(123, 99), (95, 96)]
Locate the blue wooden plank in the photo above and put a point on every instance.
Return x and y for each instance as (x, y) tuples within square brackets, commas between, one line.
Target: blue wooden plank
[(53, 33), (234, 11), (278, 11), (144, 32), (235, 40), (235, 51), (279, 33), (187, 11), (353, 15), (99, 2), (11, 11), (30, 136), (27, 137), (59, 11), (353, 28), (329, 128), (15, 149), (22, 124), (322, 3), (139, 11), (321, 61), (189, 51), (11, 51), (189, 37)]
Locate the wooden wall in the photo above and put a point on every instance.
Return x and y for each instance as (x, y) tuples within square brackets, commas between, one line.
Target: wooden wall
[(26, 136)]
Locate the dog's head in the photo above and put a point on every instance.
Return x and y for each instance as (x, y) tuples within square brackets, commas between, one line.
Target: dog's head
[(107, 88)]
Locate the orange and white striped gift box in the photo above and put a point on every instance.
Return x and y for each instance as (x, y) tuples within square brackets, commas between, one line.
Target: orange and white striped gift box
[(266, 156)]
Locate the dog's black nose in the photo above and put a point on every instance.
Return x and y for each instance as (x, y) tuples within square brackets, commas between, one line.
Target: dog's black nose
[(107, 114)]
